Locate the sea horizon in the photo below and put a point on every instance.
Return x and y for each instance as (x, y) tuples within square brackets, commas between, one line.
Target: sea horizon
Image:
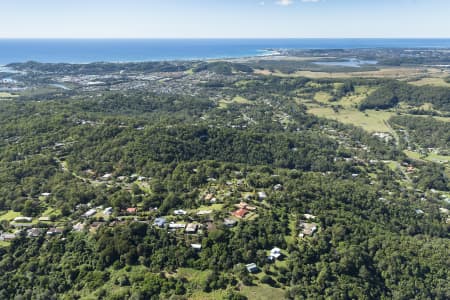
[(122, 50)]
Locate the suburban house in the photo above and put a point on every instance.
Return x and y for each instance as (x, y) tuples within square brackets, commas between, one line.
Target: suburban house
[(90, 213), (34, 232), (191, 228), (173, 225), (131, 210), (108, 211), (307, 229), (7, 236), (240, 213), (262, 195), (179, 212), (252, 268), (23, 219), (229, 222), (160, 222), (275, 253), (54, 231), (196, 246)]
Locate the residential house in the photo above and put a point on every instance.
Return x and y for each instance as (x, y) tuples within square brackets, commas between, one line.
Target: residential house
[(79, 226), (131, 210), (7, 236), (229, 222), (240, 213), (197, 247), (175, 226), (90, 213), (275, 253), (191, 228), (307, 229), (160, 222), (54, 231), (262, 195), (108, 211), (34, 232), (23, 219), (252, 268)]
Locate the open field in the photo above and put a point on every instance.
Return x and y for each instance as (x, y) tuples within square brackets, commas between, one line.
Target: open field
[(3, 244), (430, 157), (238, 99), (435, 81), (402, 73), (9, 215), (370, 120), (262, 292)]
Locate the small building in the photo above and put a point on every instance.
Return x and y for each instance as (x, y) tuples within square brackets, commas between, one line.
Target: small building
[(191, 228), (307, 229), (34, 232), (275, 253), (309, 216), (107, 176), (131, 210), (44, 219), (95, 226), (7, 236), (262, 195), (90, 213), (175, 226), (79, 226), (278, 187), (252, 268), (160, 222), (197, 247), (229, 222), (108, 211), (240, 213), (179, 212), (23, 219), (54, 231), (45, 194)]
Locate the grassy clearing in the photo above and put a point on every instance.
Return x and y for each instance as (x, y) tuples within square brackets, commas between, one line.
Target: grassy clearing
[(430, 157), (402, 73), (238, 99), (371, 120), (322, 97), (4, 95), (4, 244), (9, 215), (262, 292), (214, 207), (435, 81)]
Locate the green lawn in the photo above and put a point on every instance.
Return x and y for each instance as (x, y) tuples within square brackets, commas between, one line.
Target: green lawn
[(4, 244), (263, 292), (9, 215), (371, 120)]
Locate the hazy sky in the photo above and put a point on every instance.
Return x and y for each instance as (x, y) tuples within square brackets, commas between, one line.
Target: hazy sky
[(223, 18)]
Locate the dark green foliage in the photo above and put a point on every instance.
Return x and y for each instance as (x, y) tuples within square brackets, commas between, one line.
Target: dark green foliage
[(391, 93)]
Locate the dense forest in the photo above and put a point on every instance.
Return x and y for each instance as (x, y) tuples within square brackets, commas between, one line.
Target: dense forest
[(391, 93)]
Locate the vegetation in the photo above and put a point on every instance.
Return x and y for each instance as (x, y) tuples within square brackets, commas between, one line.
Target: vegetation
[(94, 167)]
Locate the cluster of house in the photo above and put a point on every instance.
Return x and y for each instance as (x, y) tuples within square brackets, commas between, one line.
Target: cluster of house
[(275, 254)]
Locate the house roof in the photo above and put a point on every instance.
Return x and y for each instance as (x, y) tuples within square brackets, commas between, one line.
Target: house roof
[(240, 213)]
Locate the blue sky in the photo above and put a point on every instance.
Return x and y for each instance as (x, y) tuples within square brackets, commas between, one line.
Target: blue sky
[(223, 18)]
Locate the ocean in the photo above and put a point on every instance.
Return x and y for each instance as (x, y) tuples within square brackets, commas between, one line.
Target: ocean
[(134, 50)]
